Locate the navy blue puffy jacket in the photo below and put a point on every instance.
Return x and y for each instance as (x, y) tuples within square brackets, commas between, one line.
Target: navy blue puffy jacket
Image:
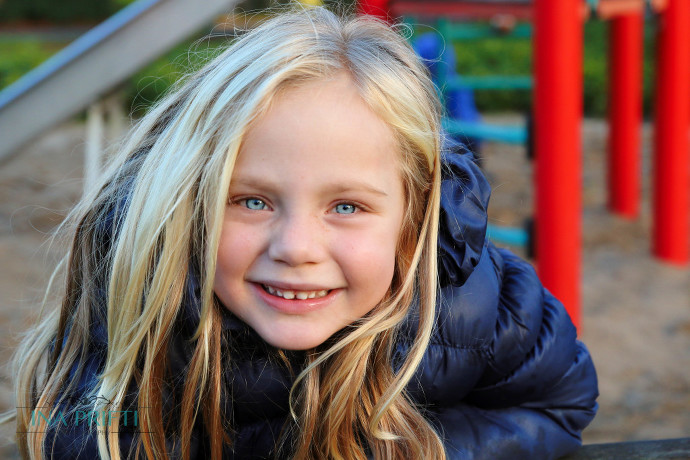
[(503, 378)]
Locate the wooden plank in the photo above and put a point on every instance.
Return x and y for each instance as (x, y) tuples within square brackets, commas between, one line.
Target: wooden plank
[(667, 449)]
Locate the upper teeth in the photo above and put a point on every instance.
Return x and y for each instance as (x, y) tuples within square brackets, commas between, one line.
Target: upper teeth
[(301, 295)]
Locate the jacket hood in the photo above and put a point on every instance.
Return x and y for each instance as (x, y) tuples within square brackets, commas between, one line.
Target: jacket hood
[(465, 194)]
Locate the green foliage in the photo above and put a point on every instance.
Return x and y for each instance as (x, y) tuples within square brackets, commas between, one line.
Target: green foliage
[(595, 68), (648, 69), (56, 11), (494, 56), (122, 3), (155, 80), (19, 57)]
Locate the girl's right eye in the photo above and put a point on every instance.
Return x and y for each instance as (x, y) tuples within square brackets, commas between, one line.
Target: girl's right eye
[(255, 204)]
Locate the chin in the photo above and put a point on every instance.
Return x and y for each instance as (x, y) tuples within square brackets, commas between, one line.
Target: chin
[(294, 343)]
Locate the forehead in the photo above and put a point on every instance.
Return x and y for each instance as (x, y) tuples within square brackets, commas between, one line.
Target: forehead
[(321, 128)]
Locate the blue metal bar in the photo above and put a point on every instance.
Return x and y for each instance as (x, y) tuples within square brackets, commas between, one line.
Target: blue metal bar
[(506, 134), (507, 235)]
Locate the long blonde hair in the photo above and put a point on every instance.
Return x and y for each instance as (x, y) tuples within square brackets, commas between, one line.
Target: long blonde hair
[(157, 217)]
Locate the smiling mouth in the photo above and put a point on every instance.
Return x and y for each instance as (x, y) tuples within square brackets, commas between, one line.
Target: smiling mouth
[(295, 295)]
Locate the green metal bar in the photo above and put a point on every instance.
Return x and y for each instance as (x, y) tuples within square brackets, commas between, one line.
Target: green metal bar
[(500, 82), (469, 31)]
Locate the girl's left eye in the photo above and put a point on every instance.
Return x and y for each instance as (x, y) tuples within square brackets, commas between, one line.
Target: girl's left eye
[(345, 208)]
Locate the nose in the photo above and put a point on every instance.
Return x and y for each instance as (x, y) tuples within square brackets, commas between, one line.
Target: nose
[(297, 240)]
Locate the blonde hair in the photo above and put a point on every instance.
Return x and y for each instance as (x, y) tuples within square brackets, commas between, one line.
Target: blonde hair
[(157, 218)]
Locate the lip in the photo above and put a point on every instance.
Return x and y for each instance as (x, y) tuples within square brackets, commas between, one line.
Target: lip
[(294, 306)]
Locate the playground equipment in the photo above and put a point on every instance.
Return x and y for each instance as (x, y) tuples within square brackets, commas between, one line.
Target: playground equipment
[(463, 121), (453, 82), (506, 134), (625, 112), (458, 100), (95, 64), (671, 160), (456, 9), (558, 48), (456, 91)]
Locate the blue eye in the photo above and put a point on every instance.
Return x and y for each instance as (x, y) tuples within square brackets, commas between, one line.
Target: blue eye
[(255, 204), (345, 208)]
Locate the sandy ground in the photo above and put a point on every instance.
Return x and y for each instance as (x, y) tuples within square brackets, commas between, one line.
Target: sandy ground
[(636, 310)]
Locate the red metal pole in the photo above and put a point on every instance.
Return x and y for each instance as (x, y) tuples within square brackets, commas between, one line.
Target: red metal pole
[(378, 8), (558, 37), (671, 227), (625, 112)]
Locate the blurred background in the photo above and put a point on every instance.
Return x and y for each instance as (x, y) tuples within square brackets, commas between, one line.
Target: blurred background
[(635, 309), (33, 30)]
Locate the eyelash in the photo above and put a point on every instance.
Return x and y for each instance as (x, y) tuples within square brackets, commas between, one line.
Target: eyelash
[(243, 202)]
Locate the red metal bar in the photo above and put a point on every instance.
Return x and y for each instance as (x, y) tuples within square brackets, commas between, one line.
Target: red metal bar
[(608, 9), (625, 112), (380, 8), (558, 44), (671, 227), (458, 10), (658, 5)]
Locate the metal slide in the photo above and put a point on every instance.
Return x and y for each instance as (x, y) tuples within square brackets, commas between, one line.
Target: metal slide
[(96, 63)]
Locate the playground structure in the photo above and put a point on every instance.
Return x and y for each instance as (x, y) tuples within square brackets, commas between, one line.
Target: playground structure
[(84, 73), (463, 121), (611, 353), (557, 102)]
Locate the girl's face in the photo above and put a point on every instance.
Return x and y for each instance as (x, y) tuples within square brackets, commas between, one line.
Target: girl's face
[(314, 213)]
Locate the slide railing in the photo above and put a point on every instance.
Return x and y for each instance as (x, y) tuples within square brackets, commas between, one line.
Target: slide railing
[(96, 63)]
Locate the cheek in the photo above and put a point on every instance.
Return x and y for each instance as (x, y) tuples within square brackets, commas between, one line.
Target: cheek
[(369, 263), (235, 254)]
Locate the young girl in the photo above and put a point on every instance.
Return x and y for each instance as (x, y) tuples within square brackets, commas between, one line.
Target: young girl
[(281, 263)]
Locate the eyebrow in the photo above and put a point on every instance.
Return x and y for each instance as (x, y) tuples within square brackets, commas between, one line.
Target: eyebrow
[(350, 186), (355, 187)]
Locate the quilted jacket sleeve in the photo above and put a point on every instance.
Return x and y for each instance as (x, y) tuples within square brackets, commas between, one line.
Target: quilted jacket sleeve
[(538, 390), (528, 387)]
